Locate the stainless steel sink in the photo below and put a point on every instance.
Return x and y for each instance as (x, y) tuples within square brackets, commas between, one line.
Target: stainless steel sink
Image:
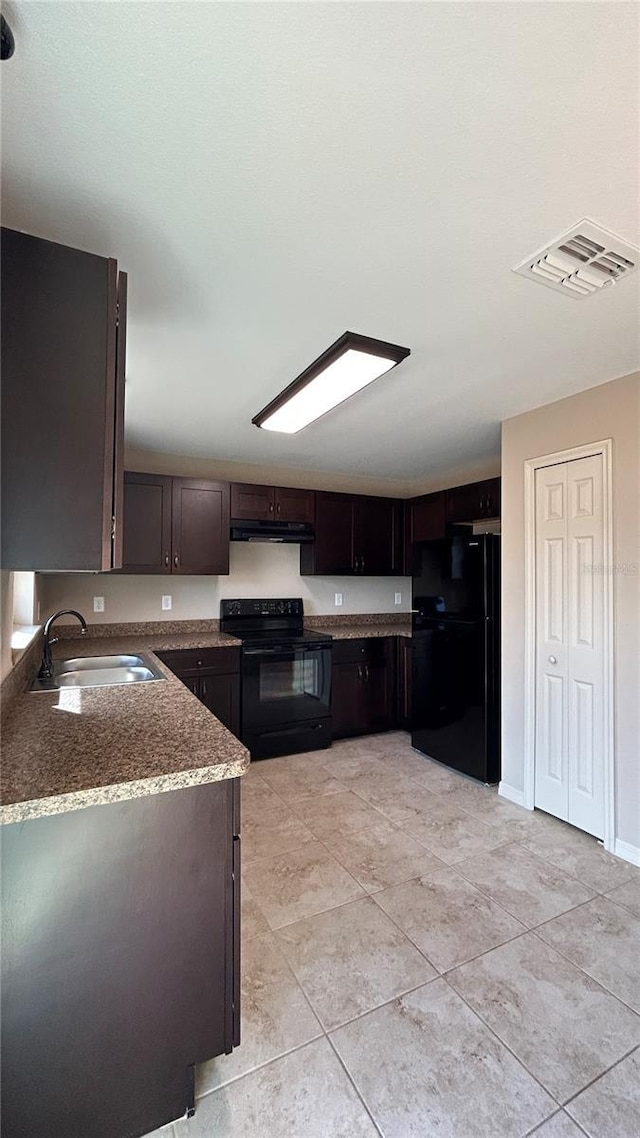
[(84, 663), (98, 672), (103, 677)]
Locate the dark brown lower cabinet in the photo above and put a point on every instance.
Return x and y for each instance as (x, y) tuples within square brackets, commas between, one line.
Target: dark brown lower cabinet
[(213, 675), (120, 961), (404, 682), (363, 697)]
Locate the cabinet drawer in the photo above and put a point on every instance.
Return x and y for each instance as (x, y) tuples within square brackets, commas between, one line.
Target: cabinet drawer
[(368, 650), (212, 660)]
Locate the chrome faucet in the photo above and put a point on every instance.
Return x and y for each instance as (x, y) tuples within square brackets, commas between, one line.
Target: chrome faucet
[(46, 667)]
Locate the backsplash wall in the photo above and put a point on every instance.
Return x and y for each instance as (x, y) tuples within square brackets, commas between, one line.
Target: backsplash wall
[(256, 570)]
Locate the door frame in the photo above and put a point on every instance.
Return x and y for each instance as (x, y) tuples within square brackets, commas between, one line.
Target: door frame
[(603, 449)]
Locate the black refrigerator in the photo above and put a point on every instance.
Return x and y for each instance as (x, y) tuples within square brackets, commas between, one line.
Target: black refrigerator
[(455, 653)]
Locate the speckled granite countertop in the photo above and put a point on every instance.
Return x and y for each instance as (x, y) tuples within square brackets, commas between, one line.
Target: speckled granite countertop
[(72, 748), (360, 628)]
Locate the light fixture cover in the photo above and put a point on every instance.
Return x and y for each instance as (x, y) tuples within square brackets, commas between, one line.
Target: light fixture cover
[(350, 364)]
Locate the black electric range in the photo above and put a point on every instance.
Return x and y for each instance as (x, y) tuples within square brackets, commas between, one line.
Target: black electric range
[(285, 675)]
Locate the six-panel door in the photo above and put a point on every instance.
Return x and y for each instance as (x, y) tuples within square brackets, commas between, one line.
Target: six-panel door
[(569, 724)]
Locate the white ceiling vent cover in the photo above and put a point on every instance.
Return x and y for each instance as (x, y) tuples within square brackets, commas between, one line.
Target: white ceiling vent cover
[(584, 260)]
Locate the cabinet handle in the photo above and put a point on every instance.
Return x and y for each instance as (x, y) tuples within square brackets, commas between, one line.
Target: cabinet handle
[(176, 560), (278, 508), (166, 560), (204, 688), (270, 507), (199, 663), (362, 564), (360, 676), (366, 673), (489, 506)]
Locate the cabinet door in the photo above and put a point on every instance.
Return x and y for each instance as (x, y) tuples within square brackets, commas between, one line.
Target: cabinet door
[(118, 441), (200, 527), (332, 550), (59, 406), (404, 682), (376, 533), (150, 912), (346, 699), (492, 497), (294, 505), (221, 694), (252, 503), (424, 521), (465, 503), (147, 523), (378, 697)]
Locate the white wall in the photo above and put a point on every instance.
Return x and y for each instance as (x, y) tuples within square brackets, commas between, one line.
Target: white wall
[(156, 462), (256, 570), (609, 411)]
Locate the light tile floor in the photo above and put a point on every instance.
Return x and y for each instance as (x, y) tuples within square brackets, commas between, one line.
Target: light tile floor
[(423, 959)]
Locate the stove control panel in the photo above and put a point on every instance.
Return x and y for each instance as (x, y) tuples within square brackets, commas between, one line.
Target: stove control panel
[(275, 608)]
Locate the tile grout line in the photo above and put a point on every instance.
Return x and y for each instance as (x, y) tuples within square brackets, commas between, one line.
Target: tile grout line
[(600, 1076), (542, 857), (580, 966), (506, 1046), (354, 1084), (556, 1114), (529, 928)]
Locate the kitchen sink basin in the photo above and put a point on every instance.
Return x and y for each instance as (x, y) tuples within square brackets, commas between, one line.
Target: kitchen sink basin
[(103, 677), (98, 672), (91, 663)]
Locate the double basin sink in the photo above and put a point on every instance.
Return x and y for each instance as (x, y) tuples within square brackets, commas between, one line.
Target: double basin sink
[(98, 672)]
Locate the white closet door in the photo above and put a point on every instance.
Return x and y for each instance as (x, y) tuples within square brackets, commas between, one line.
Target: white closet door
[(586, 645), (569, 769), (552, 666)]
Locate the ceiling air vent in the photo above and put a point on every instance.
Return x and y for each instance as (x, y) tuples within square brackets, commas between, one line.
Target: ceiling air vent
[(582, 261)]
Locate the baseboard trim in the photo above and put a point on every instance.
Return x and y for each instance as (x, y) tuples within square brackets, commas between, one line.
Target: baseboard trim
[(627, 851), (512, 793)]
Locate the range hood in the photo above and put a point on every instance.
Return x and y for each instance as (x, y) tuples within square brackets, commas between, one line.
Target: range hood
[(276, 532)]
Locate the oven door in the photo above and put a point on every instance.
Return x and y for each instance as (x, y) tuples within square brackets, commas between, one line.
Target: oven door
[(285, 684)]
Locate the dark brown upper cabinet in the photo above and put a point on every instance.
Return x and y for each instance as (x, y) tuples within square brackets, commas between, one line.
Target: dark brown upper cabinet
[(175, 525), (63, 355), (147, 523), (354, 535), (474, 501), (424, 521), (271, 503)]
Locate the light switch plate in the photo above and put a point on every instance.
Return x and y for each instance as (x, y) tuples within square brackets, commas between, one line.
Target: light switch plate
[(166, 602), (98, 604), (398, 598), (338, 599)]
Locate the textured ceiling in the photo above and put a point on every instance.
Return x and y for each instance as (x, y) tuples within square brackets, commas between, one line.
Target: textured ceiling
[(273, 174)]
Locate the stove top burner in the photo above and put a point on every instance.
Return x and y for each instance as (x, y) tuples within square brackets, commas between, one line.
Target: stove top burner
[(274, 621)]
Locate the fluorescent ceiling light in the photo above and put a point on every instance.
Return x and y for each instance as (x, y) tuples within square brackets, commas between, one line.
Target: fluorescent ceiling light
[(347, 366)]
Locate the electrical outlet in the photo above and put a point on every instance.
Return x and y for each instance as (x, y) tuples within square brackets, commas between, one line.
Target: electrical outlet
[(166, 602), (98, 604), (398, 598), (338, 599)]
